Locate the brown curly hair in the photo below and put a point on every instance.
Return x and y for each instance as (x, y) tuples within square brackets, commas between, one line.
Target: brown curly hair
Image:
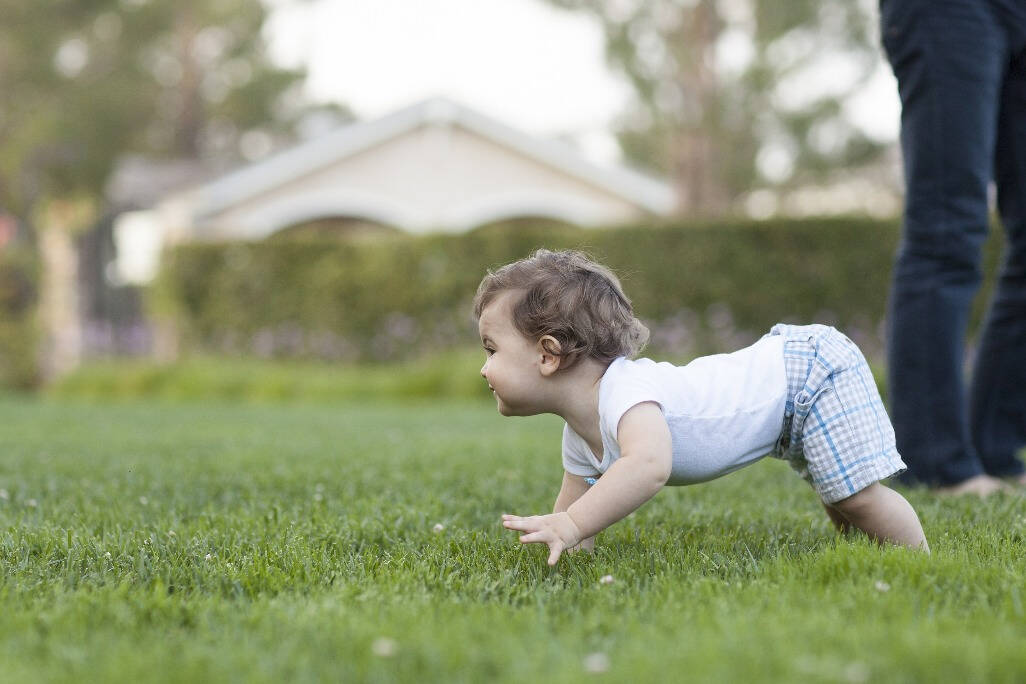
[(572, 298)]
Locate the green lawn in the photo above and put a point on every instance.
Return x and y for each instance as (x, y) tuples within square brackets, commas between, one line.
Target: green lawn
[(209, 541)]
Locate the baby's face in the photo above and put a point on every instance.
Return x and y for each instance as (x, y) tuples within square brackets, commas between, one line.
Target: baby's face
[(512, 361)]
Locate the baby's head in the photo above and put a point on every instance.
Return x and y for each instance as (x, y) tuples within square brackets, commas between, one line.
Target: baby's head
[(573, 299)]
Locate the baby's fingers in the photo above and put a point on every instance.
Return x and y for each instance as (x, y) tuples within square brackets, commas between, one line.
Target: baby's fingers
[(536, 537), (554, 551), (521, 524), (556, 545)]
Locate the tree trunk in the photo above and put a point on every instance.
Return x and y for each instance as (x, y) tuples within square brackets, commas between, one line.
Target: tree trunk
[(701, 191), (698, 171), (189, 122), (59, 305)]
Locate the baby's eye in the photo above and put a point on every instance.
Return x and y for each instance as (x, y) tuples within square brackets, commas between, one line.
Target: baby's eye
[(488, 351)]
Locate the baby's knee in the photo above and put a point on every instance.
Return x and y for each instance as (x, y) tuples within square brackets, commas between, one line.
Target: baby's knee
[(859, 502)]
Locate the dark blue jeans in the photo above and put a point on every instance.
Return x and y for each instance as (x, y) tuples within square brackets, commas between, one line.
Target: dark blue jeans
[(961, 70)]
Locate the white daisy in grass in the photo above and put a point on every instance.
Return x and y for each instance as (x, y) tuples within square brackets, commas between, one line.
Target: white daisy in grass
[(596, 663), (383, 647)]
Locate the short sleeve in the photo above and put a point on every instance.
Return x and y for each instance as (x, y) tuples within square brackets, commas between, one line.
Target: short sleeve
[(575, 459), (623, 389)]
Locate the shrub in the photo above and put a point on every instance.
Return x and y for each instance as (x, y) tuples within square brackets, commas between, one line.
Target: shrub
[(19, 364), (700, 287), (453, 375)]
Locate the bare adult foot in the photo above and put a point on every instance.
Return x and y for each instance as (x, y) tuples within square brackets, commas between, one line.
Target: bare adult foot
[(980, 485)]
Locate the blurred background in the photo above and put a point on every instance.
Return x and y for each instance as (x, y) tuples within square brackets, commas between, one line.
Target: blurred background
[(299, 197)]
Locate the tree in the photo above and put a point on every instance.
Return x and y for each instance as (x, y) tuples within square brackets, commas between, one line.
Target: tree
[(734, 94), (86, 81)]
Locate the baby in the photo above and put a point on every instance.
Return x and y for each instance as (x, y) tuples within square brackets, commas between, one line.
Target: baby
[(559, 334)]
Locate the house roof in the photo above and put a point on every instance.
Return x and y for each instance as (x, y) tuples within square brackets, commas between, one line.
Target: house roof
[(653, 195)]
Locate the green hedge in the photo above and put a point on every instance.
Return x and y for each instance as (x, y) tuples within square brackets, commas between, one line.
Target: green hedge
[(700, 287), (453, 375), (19, 337)]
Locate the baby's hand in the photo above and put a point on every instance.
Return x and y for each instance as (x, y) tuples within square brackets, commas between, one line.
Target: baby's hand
[(558, 530), (587, 545)]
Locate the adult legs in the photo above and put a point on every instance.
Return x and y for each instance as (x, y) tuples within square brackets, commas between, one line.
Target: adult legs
[(998, 393), (949, 61)]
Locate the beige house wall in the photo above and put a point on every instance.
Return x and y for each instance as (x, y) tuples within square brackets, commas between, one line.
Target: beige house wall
[(435, 177)]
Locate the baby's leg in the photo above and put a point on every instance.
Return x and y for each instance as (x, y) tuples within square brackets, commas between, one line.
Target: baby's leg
[(839, 521), (884, 515)]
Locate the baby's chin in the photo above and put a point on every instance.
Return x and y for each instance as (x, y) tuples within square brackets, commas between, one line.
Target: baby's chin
[(510, 411)]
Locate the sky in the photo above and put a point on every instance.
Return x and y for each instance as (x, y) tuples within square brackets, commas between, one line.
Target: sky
[(532, 66)]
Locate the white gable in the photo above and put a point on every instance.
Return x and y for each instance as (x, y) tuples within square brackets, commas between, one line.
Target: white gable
[(434, 166)]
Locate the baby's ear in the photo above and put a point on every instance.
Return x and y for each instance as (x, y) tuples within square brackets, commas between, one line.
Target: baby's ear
[(551, 352)]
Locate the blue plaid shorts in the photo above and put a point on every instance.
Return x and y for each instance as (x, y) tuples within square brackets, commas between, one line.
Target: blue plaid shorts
[(836, 432)]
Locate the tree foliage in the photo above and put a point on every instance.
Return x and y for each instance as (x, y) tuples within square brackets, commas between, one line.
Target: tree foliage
[(733, 94), (86, 81)]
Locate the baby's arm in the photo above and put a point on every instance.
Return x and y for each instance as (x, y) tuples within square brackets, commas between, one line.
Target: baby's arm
[(641, 471), (573, 489)]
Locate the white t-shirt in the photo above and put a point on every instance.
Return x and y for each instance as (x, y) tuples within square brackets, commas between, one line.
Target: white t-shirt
[(724, 411)]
